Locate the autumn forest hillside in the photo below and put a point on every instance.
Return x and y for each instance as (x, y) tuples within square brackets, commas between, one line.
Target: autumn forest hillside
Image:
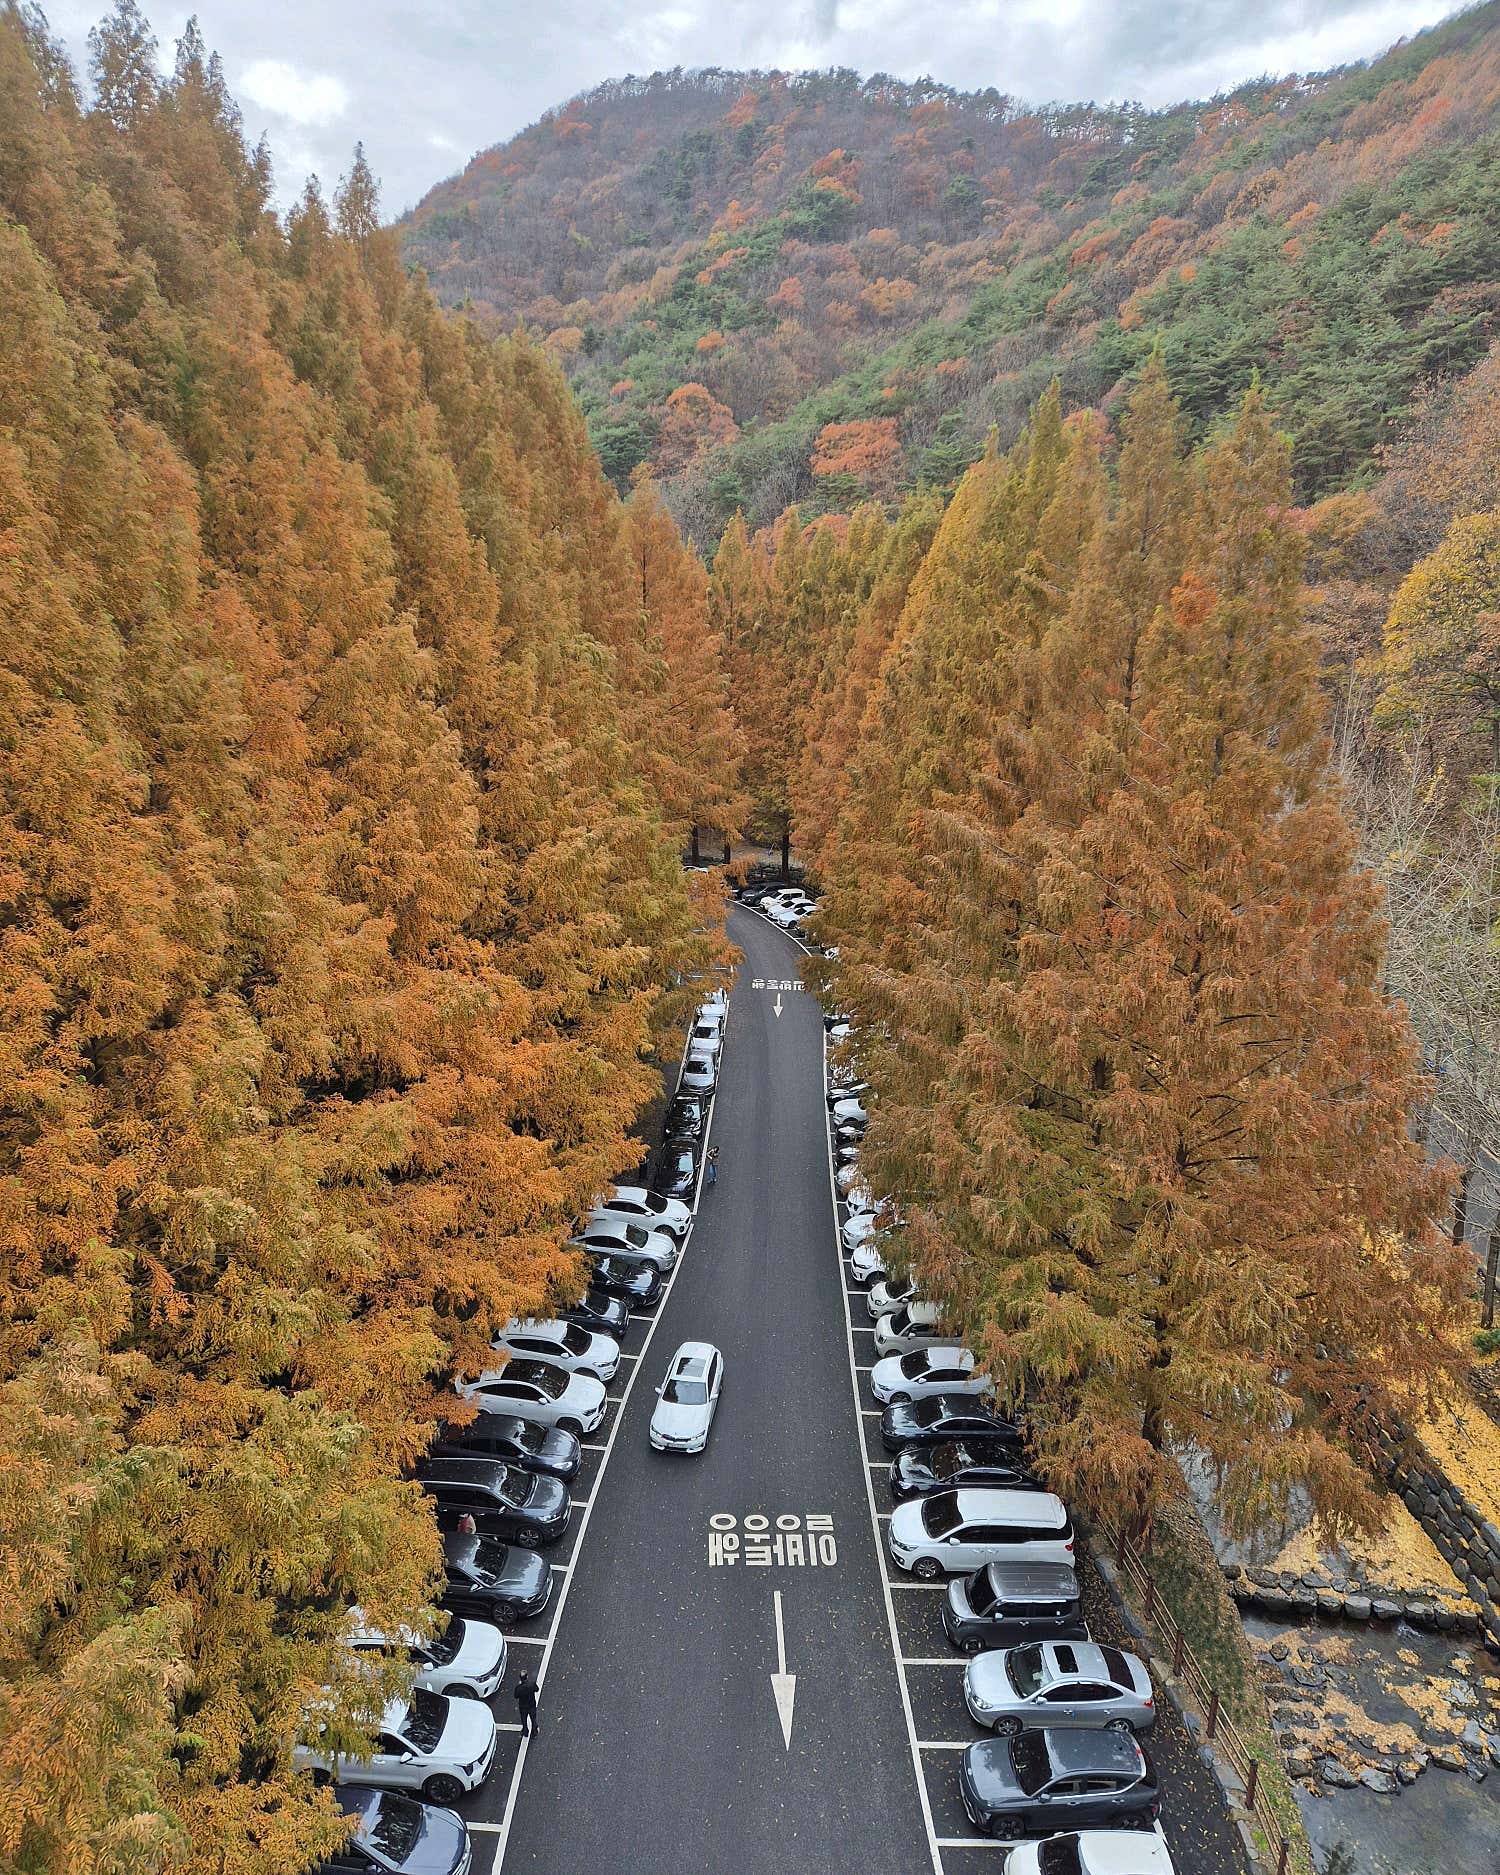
[(813, 288)]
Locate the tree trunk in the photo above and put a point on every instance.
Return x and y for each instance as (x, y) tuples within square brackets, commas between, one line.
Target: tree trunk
[(1461, 1205), (727, 855), (1491, 1270), (786, 849), (695, 843)]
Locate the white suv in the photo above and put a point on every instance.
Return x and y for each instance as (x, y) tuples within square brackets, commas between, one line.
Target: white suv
[(467, 1659), (431, 1744), (951, 1532)]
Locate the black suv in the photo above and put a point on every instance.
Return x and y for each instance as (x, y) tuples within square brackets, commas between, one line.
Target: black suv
[(503, 1500), (494, 1581)]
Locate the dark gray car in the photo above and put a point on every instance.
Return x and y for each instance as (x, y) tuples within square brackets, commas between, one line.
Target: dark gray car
[(1038, 1782), (1005, 1604)]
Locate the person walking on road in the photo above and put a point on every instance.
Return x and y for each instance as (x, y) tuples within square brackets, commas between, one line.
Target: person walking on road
[(711, 1161), (526, 1700)]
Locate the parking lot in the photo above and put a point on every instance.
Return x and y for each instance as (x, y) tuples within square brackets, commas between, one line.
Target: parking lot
[(732, 1670)]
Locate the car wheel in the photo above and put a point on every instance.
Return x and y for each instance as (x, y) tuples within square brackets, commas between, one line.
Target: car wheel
[(926, 1569), (1007, 1728), (1118, 1725), (900, 1399), (321, 1777), (972, 1644), (575, 1426), (443, 1790), (462, 1692)]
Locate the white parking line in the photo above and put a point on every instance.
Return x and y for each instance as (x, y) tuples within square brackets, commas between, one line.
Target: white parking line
[(944, 1744), (934, 1660), (565, 1570), (502, 1725), (971, 1842), (937, 1588), (585, 1446), (528, 1640), (578, 1503), (885, 1586)]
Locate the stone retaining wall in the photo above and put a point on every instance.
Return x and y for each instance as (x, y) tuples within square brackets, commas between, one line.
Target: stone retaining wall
[(1351, 1598), (1469, 1543)]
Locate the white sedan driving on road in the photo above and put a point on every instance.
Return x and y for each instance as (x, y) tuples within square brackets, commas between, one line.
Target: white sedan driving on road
[(686, 1399), (921, 1372)]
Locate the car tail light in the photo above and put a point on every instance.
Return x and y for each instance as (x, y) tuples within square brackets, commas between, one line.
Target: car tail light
[(1068, 1546)]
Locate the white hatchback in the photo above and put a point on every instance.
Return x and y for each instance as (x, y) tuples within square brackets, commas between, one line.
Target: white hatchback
[(913, 1325), (922, 1372), (562, 1344), (892, 1292), (431, 1744), (686, 1399)]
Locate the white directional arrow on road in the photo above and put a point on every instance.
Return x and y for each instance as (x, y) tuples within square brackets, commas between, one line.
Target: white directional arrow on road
[(778, 1005), (783, 1684)]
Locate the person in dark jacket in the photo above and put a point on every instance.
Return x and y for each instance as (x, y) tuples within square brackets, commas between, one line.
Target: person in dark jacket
[(526, 1700)]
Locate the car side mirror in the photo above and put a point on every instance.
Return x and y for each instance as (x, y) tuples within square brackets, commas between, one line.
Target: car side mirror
[(661, 1390)]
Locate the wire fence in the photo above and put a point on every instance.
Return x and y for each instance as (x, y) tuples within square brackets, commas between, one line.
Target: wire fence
[(1219, 1729)]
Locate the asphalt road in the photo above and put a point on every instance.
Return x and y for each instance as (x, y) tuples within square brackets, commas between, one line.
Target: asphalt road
[(660, 1745), (658, 1725)]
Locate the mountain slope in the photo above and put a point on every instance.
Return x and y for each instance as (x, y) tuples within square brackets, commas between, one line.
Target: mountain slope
[(812, 288)]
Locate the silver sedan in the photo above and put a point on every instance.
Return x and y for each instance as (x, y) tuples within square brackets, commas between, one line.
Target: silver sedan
[(1058, 1683)]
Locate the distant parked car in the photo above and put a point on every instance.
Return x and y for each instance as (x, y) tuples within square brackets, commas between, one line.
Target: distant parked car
[(676, 1172), (686, 1118), (1052, 1683), (700, 1074), (652, 1208), (494, 1581), (540, 1449), (600, 1314), (849, 1182), (922, 1373), (429, 1743), (395, 1834), (913, 1325), (978, 1463), (636, 1283), (849, 1110), (562, 1344), (1093, 1852), (706, 1037), (893, 1292), (467, 1658), (547, 1396), (1006, 1604), (955, 1532), (503, 1500), (858, 1228), (850, 1089), (935, 1422), (632, 1242), (1056, 1780), (687, 1398)]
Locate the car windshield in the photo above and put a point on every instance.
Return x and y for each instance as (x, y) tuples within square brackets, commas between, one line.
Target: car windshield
[(681, 1392), (490, 1558), (1023, 1668), (940, 1514), (392, 1826), (982, 1596), (537, 1374), (634, 1234), (425, 1721), (915, 1363), (949, 1460), (443, 1648), (514, 1489), (928, 1413), (1059, 1857), (1028, 1753), (574, 1339)]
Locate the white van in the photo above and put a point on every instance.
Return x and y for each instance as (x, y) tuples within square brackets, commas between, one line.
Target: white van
[(950, 1532)]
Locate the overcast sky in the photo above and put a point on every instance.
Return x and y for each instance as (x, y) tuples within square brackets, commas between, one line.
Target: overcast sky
[(427, 83)]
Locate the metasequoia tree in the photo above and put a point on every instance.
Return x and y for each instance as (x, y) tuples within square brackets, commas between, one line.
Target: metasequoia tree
[(343, 912), (1139, 1086)]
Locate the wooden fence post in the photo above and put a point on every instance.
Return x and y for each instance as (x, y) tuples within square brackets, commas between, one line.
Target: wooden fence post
[(1213, 1711)]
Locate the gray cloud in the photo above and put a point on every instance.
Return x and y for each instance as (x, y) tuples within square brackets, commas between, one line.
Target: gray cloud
[(427, 85)]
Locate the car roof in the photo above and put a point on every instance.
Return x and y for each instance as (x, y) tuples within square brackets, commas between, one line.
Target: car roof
[(1075, 1749), (1077, 1659), (693, 1351), (1023, 1579), (1123, 1852), (977, 1502), (480, 1469)]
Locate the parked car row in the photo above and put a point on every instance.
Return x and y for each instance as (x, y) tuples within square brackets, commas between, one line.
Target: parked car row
[(1062, 1714)]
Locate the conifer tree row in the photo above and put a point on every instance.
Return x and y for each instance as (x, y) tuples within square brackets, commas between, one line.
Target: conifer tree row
[(342, 913), (1137, 1088)]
